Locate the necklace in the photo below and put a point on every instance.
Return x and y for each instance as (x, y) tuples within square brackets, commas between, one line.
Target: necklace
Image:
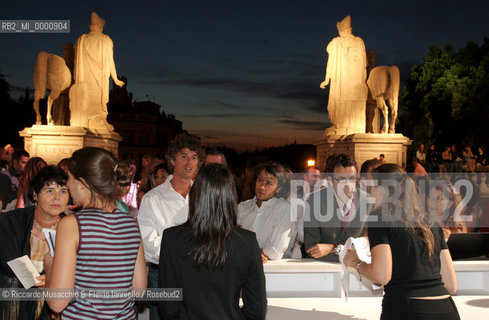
[(38, 228)]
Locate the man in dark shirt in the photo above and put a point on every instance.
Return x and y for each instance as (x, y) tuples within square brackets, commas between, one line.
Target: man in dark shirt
[(337, 212), (9, 179), (433, 160), (456, 158), (3, 160)]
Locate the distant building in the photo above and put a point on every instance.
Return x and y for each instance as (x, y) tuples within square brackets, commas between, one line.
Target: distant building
[(144, 127)]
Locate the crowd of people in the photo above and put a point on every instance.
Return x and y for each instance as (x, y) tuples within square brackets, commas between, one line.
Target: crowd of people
[(188, 222), (452, 160)]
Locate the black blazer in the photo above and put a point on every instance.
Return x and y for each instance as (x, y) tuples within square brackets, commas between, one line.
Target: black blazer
[(15, 236), (323, 225), (215, 294)]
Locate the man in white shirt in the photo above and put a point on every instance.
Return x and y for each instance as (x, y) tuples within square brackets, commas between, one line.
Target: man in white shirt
[(335, 213), (268, 214), (167, 205), (421, 154)]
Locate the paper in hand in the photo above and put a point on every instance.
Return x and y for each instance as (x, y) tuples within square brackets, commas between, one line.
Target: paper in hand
[(50, 236), (25, 271), (345, 280), (362, 247)]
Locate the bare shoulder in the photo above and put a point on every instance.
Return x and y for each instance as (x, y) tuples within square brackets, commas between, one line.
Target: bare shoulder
[(68, 223)]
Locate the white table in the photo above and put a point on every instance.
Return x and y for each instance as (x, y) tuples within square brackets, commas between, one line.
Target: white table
[(311, 278), (310, 289)]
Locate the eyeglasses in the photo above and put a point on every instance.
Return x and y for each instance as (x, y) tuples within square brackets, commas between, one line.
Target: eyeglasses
[(345, 180), (438, 198)]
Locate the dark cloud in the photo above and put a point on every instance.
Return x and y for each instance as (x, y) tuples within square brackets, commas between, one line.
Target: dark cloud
[(228, 105), (304, 91), (214, 82), (305, 125), (294, 78), (230, 136), (295, 65), (319, 107), (299, 91), (290, 65), (220, 115), (152, 71)]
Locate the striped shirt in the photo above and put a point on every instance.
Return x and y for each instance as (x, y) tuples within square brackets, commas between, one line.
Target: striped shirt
[(106, 256)]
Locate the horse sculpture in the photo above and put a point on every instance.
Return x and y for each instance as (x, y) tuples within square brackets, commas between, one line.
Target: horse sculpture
[(383, 83), (51, 73)]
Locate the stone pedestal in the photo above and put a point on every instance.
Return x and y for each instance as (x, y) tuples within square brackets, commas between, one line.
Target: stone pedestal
[(53, 143), (364, 146)]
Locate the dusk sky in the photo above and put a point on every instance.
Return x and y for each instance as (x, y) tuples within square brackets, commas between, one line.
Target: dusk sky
[(241, 73)]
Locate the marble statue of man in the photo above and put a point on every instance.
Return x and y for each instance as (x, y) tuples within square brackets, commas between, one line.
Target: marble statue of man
[(94, 64), (346, 73)]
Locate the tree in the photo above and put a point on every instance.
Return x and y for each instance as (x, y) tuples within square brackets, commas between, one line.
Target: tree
[(15, 115), (4, 92), (446, 99)]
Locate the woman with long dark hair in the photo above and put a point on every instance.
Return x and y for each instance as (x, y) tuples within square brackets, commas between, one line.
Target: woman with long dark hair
[(98, 247), (211, 258), (410, 257)]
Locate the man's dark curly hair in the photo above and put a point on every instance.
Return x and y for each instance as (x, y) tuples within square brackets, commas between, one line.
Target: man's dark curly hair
[(339, 160), (182, 141), (280, 172)]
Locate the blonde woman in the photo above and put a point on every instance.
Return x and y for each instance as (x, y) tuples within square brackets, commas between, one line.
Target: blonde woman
[(410, 257)]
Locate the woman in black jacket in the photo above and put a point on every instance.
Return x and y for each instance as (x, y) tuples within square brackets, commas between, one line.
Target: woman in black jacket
[(211, 258), (21, 234)]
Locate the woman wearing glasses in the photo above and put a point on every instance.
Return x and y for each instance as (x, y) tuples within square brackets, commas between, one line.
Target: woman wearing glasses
[(443, 204)]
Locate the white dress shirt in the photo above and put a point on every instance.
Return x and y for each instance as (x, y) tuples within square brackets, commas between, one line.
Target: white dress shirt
[(297, 207), (161, 208), (344, 208), (272, 224), (421, 156)]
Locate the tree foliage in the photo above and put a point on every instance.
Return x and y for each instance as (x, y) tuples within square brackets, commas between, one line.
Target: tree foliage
[(15, 115), (446, 99), (4, 91)]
